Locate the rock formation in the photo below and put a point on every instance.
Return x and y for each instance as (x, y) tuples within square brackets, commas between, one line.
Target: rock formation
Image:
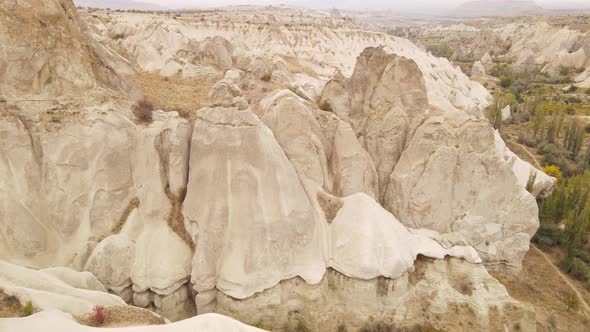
[(381, 202), (433, 173)]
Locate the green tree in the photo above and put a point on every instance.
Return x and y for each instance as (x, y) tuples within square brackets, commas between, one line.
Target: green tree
[(538, 121), (531, 181), (495, 110), (554, 128)]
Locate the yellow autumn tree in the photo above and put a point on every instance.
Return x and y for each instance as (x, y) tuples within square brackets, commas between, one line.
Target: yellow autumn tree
[(553, 171)]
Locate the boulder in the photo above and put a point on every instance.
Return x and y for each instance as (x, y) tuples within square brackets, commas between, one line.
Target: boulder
[(487, 62), (478, 69), (226, 93), (112, 261), (83, 280), (506, 113)]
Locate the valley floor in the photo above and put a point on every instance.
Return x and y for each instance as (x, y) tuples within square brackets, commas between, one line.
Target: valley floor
[(540, 286)]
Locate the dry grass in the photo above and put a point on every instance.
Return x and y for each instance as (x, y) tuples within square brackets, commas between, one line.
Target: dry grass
[(539, 286), (294, 66), (255, 92), (183, 95), (121, 316)]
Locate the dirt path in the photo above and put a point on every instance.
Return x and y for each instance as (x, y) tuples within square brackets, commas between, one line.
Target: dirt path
[(566, 280), (530, 154)]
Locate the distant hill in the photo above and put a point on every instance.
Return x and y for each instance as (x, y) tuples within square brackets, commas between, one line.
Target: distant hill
[(497, 8), (118, 4)]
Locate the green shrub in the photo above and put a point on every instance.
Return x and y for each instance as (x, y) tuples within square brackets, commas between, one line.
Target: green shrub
[(580, 270), (325, 106), (143, 111), (570, 110), (572, 302), (573, 100), (266, 76), (527, 140), (588, 91), (27, 309), (531, 182), (505, 81), (441, 50), (572, 88)]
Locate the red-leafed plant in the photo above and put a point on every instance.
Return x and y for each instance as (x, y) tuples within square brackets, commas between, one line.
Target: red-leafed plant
[(97, 316)]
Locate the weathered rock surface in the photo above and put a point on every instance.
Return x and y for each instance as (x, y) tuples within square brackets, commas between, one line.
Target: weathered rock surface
[(432, 172), (235, 211), (228, 208), (478, 69), (58, 321), (544, 184), (450, 294), (45, 291), (322, 148)]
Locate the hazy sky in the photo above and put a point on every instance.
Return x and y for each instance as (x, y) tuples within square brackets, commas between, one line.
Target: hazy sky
[(392, 4)]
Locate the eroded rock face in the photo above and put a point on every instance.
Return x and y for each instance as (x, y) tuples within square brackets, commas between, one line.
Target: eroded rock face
[(323, 149), (450, 294), (451, 179), (438, 169), (266, 210), (63, 183), (255, 195)]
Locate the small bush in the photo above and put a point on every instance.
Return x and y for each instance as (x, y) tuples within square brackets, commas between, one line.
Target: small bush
[(118, 36), (572, 302), (27, 309), (527, 140), (298, 327), (325, 106), (266, 77), (572, 88), (554, 171), (505, 81), (588, 91), (573, 100), (570, 110), (143, 111), (580, 270), (97, 316)]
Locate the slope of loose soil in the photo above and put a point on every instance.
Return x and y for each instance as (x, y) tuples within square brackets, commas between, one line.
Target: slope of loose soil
[(541, 287)]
